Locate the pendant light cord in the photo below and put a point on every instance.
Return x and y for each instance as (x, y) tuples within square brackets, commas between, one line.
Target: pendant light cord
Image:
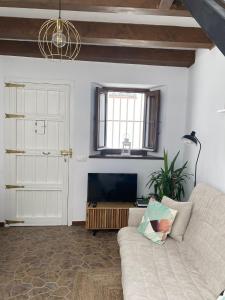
[(60, 7)]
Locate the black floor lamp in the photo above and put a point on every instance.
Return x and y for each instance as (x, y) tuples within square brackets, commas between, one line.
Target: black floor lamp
[(192, 139)]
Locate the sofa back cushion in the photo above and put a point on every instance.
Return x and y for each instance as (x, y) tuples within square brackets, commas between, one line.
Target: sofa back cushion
[(204, 240)]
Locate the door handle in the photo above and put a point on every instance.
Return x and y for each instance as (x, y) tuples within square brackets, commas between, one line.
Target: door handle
[(46, 153)]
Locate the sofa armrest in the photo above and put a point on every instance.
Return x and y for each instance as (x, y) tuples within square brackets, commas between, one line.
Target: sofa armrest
[(135, 216)]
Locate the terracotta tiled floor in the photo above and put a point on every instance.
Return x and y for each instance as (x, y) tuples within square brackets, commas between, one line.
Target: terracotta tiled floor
[(41, 262)]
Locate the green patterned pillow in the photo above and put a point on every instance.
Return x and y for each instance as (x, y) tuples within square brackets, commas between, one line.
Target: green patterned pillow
[(157, 222), (222, 296)]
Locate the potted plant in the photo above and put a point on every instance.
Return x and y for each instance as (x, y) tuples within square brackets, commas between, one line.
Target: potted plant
[(169, 180)]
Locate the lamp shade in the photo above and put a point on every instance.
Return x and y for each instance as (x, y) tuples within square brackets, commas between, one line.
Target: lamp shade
[(190, 138)]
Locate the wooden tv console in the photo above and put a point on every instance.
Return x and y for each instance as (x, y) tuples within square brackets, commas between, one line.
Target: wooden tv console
[(107, 215)]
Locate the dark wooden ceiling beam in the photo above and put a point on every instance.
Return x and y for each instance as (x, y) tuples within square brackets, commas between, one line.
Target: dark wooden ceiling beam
[(165, 4), (76, 4), (113, 34), (113, 6), (210, 15), (162, 57)]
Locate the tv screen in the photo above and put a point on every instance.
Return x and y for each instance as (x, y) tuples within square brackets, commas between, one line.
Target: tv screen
[(110, 187)]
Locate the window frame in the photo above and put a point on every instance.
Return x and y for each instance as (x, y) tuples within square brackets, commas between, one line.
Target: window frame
[(98, 92), (153, 104), (113, 151)]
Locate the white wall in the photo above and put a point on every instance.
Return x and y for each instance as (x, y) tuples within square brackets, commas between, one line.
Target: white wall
[(82, 75), (206, 96)]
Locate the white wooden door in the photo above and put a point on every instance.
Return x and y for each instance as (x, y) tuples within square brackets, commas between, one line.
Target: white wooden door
[(37, 153)]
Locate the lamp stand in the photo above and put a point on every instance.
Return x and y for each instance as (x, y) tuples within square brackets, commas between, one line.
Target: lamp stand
[(196, 164)]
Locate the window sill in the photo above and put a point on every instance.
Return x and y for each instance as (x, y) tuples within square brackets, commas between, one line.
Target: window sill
[(116, 156)]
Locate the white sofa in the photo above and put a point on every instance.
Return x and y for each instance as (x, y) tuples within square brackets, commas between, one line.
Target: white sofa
[(190, 270)]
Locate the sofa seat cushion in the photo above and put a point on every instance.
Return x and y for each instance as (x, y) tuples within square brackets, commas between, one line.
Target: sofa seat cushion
[(157, 272)]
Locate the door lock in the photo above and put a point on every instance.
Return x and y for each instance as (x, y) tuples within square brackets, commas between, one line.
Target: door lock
[(67, 152)]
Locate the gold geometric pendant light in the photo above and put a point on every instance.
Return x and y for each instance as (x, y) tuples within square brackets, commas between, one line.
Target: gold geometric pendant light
[(59, 38)]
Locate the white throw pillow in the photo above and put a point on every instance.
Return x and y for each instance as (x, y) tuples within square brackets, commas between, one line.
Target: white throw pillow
[(182, 219)]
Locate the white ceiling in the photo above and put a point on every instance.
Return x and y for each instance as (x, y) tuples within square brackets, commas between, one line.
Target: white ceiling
[(100, 17)]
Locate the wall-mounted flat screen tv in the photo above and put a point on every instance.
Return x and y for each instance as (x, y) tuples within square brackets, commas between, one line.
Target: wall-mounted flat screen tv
[(112, 187)]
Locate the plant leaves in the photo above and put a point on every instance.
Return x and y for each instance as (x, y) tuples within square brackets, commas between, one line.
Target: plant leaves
[(169, 181)]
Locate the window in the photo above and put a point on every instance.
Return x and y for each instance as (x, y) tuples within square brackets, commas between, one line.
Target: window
[(126, 113), (124, 118)]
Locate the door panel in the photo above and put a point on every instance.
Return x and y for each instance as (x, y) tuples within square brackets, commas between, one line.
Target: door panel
[(37, 130), (39, 133)]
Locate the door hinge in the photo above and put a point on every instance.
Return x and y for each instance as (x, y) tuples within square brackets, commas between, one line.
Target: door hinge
[(67, 152), (16, 85), (12, 151), (14, 116), (14, 186), (8, 222)]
